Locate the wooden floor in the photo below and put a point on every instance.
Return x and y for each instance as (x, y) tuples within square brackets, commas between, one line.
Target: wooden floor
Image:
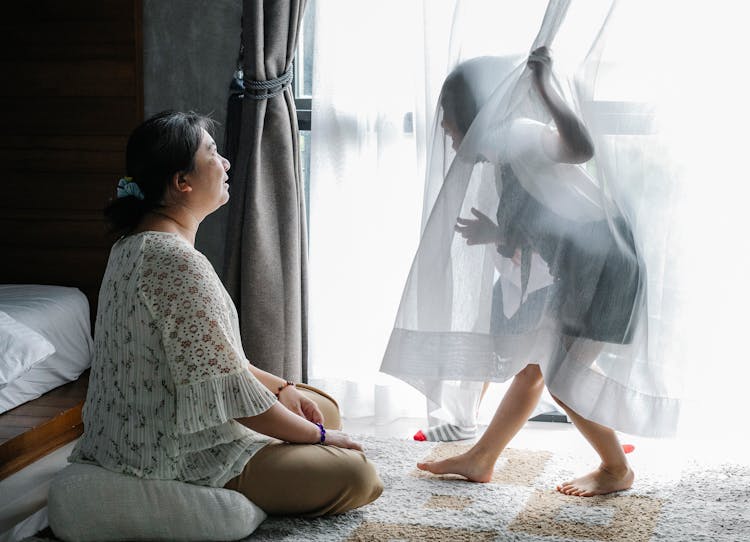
[(34, 429)]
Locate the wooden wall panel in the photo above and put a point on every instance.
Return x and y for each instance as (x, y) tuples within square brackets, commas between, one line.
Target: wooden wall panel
[(62, 231), (70, 10), (57, 115), (66, 77), (61, 190), (72, 92)]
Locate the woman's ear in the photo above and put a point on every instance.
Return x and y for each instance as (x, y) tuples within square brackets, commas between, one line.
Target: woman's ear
[(180, 184)]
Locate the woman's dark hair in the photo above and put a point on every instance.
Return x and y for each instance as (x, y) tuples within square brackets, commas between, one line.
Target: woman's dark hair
[(163, 145)]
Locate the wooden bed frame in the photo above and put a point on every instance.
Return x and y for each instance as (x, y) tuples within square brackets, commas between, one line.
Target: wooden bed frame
[(34, 429)]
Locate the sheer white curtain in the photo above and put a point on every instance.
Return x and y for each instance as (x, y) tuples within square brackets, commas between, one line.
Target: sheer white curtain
[(682, 70), (377, 70), (667, 67)]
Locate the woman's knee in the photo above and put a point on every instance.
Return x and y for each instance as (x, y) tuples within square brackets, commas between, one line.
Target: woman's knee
[(346, 481), (327, 480), (361, 480)]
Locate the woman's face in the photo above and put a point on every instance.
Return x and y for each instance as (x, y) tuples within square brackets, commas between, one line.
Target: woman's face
[(209, 177)]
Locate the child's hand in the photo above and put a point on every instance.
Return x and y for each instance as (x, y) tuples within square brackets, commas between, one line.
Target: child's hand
[(517, 257), (540, 61), (478, 231)]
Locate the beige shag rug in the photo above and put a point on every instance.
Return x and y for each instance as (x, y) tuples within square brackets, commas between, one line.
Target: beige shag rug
[(693, 503)]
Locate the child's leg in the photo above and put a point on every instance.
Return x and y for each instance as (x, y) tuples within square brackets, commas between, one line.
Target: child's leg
[(614, 474), (517, 405)]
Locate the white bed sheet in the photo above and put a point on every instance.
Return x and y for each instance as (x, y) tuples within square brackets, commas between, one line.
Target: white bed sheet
[(23, 495), (61, 315)]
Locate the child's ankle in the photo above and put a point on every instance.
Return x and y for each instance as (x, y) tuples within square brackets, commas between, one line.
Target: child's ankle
[(482, 455), (615, 469)]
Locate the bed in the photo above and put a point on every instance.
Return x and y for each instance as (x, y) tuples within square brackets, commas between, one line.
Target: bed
[(61, 315), (46, 348)]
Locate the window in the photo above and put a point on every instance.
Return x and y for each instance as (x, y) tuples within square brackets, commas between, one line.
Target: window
[(302, 88)]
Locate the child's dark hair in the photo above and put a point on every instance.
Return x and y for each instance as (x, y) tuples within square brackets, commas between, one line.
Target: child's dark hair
[(459, 105), (163, 145), (468, 87)]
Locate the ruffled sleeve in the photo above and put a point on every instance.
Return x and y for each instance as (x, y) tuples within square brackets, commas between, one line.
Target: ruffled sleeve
[(212, 380)]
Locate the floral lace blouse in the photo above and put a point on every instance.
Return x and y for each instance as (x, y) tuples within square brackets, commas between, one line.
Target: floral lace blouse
[(168, 375)]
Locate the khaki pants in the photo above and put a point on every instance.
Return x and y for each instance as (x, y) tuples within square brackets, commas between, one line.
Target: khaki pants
[(309, 479)]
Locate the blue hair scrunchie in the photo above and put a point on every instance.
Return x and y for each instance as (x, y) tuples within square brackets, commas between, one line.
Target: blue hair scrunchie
[(128, 187)]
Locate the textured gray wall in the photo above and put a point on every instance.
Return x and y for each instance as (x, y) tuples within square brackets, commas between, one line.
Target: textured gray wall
[(190, 52)]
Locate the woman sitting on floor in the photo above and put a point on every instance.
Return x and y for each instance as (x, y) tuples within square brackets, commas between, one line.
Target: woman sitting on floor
[(171, 395)]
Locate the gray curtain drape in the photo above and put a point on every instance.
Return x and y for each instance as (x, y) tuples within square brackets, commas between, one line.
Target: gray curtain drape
[(265, 268)]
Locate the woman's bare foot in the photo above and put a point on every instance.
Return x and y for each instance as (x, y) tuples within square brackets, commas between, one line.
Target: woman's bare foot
[(468, 465), (599, 482)]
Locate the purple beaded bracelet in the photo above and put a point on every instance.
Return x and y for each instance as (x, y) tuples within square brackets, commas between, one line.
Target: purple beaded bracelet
[(322, 433)]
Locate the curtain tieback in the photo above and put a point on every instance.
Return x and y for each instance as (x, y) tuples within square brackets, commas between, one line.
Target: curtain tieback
[(270, 88)]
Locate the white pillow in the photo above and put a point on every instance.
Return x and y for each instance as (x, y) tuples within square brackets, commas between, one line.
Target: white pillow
[(20, 349), (90, 503)]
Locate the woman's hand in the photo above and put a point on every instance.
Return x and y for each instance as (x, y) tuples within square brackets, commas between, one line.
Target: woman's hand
[(478, 231), (341, 440), (292, 399)]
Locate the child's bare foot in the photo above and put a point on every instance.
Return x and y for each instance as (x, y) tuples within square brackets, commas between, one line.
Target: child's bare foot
[(599, 482), (467, 465)]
